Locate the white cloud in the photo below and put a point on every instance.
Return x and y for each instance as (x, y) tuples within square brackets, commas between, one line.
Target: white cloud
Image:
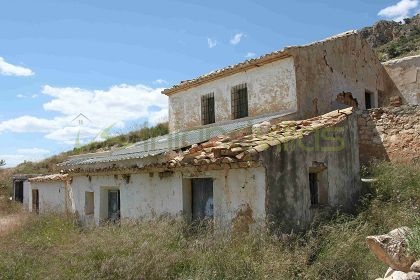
[(211, 42), (29, 154), (250, 55), (33, 151), (33, 96), (236, 39), (8, 69), (114, 106), (399, 11), (160, 81)]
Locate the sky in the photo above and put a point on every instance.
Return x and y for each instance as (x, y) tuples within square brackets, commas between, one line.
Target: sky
[(70, 70)]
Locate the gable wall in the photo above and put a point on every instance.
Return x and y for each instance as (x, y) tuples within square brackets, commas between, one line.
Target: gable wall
[(287, 169), (343, 64)]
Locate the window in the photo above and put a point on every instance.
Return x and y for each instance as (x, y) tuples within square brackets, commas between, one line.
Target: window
[(239, 101), (313, 187), (207, 109), (368, 100), (318, 184), (89, 203)]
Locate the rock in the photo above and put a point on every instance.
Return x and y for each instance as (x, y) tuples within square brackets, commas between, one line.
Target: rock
[(413, 276), (394, 275), (415, 266), (391, 248)]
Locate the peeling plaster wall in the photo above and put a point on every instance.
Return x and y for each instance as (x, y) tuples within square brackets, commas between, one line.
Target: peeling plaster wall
[(148, 196), (51, 196), (288, 195), (271, 88), (406, 74), (341, 64)]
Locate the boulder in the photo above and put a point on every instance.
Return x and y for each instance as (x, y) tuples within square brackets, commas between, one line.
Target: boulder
[(394, 275), (415, 266), (413, 276), (391, 248)]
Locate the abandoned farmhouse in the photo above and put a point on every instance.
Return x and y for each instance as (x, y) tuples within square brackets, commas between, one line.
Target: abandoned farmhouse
[(270, 141)]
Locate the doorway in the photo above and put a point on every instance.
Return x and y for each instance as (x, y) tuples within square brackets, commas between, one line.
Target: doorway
[(19, 191), (114, 212), (35, 201), (201, 198)]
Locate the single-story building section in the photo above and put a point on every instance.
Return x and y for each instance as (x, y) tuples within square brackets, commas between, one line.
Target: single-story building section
[(275, 173)]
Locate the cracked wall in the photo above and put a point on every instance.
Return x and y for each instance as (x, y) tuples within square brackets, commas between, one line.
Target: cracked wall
[(336, 65)]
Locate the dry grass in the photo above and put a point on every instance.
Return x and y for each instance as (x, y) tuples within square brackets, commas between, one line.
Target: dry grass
[(54, 247)]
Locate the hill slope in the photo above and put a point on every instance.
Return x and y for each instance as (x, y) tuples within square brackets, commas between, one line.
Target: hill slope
[(391, 39)]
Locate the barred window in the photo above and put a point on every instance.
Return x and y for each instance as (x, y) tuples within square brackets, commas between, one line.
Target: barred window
[(207, 109), (239, 101)]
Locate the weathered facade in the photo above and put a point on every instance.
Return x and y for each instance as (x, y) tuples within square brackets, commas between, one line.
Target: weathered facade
[(281, 173), (236, 153), (405, 72), (299, 82)]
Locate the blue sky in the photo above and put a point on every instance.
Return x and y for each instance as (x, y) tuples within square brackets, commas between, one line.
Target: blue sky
[(109, 60)]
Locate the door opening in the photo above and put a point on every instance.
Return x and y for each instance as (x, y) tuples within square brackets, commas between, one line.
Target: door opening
[(19, 191), (114, 212), (35, 201), (202, 198)]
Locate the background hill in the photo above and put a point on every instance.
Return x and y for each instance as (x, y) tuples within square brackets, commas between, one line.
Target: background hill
[(392, 39)]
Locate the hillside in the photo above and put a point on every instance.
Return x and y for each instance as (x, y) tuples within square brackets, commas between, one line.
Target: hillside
[(391, 39), (49, 165)]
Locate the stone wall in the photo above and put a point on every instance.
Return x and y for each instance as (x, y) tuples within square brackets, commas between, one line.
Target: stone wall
[(389, 133)]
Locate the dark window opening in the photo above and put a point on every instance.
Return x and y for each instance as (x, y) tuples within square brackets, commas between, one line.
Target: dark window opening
[(207, 109), (114, 205), (202, 198), (368, 99), (19, 191), (35, 201), (313, 187), (239, 101)]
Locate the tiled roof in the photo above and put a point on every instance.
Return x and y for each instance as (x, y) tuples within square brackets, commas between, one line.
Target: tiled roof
[(242, 149), (248, 147), (160, 145), (49, 178), (245, 65)]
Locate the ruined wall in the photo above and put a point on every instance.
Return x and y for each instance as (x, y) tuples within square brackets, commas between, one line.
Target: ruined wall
[(406, 74), (391, 133), (288, 193), (51, 196), (149, 195), (340, 64), (271, 88)]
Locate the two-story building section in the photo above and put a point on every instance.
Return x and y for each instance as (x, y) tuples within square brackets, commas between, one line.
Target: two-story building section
[(296, 82)]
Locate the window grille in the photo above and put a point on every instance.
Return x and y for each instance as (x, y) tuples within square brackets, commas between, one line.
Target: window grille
[(207, 109), (239, 96)]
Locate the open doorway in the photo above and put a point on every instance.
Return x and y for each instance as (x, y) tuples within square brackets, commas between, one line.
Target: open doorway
[(201, 198), (114, 206), (18, 191), (35, 201)]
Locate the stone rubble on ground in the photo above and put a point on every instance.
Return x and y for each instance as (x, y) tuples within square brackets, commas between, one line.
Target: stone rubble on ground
[(391, 249)]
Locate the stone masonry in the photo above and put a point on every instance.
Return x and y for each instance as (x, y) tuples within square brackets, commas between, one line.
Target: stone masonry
[(389, 133)]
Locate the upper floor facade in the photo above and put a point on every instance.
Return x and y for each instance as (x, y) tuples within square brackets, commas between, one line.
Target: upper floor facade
[(297, 83)]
